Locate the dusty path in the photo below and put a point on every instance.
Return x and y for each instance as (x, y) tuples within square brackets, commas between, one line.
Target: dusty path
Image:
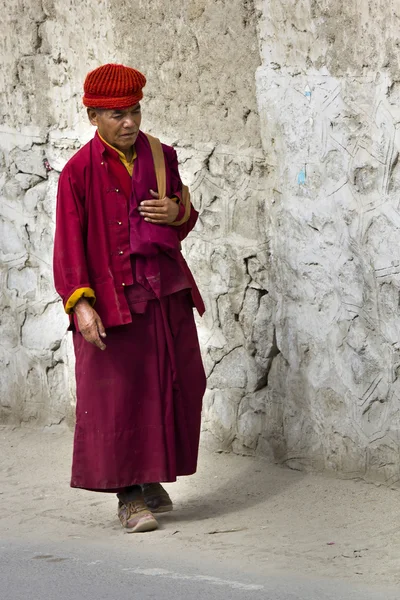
[(259, 517)]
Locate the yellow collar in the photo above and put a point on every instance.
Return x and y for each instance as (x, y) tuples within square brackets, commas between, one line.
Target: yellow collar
[(127, 163)]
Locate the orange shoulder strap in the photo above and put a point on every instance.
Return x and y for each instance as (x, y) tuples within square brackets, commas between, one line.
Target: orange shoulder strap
[(159, 164)]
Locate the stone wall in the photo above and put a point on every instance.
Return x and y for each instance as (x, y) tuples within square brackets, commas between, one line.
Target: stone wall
[(41, 125), (285, 119), (200, 96)]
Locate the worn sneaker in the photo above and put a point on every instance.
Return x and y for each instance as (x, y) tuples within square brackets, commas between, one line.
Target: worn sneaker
[(135, 517), (156, 498)]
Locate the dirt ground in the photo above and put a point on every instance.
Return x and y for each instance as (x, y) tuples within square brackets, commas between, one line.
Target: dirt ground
[(235, 508)]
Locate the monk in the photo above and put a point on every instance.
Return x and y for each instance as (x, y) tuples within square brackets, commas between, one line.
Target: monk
[(122, 212)]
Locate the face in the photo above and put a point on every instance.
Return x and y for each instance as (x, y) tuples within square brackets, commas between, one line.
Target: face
[(119, 128)]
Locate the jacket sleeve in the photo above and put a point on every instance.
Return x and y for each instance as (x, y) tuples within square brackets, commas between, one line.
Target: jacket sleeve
[(187, 215), (69, 261)]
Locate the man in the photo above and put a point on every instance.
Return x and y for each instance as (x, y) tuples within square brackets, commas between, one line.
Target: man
[(122, 212)]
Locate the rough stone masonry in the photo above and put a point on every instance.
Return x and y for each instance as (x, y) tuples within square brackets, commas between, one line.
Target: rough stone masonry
[(285, 116)]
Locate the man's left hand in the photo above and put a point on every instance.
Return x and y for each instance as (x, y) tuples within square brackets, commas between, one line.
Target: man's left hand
[(159, 211)]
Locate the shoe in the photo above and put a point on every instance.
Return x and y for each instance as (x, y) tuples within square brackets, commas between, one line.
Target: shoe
[(156, 498), (135, 517)]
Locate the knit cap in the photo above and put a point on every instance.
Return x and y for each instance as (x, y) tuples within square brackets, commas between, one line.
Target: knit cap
[(113, 86)]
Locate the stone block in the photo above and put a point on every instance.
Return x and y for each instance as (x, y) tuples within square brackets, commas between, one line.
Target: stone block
[(44, 332), (30, 161), (12, 190), (9, 329), (24, 281), (27, 181), (34, 196), (57, 382), (13, 240), (231, 371)]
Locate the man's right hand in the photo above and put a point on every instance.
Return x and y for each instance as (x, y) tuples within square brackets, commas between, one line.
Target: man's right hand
[(89, 323)]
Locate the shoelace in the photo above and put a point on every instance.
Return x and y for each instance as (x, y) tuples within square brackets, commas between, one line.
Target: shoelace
[(135, 506)]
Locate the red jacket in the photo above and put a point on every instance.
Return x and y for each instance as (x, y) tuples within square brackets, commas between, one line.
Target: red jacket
[(92, 244)]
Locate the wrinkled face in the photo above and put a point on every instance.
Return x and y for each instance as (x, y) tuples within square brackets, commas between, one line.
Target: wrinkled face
[(118, 127)]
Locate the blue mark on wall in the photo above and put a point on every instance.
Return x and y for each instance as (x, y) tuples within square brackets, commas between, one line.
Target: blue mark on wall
[(301, 177), (307, 92)]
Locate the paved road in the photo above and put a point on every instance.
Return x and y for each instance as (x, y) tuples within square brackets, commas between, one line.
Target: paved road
[(81, 570)]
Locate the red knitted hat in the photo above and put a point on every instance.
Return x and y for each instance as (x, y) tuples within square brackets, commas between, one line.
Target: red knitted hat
[(113, 86)]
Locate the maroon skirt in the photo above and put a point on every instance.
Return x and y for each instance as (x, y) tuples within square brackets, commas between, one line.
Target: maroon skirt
[(139, 402)]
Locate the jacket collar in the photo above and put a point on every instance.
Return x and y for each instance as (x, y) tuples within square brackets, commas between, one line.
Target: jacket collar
[(98, 144)]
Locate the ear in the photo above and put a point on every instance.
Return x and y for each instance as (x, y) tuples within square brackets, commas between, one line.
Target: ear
[(92, 114)]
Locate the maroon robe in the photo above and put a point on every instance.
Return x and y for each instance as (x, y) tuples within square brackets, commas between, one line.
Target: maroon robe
[(138, 402)]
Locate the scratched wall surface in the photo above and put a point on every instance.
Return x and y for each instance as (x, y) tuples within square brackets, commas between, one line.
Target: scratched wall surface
[(287, 133), (328, 98)]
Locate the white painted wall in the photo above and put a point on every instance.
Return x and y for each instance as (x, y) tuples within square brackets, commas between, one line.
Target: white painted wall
[(285, 118)]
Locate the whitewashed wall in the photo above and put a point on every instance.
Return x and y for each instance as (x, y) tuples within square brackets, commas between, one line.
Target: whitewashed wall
[(328, 96), (285, 118)]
